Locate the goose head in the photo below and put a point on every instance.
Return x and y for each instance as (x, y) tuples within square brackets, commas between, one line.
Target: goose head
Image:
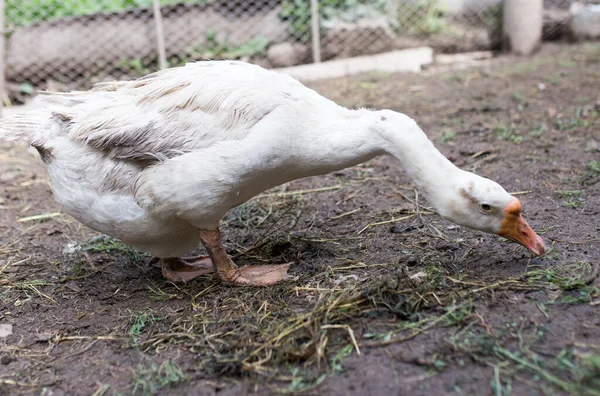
[(457, 195), (483, 205)]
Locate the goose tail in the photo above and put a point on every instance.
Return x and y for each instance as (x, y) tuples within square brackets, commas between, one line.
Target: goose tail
[(32, 127)]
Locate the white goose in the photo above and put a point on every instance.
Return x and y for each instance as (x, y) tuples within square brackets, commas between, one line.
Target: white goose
[(157, 162)]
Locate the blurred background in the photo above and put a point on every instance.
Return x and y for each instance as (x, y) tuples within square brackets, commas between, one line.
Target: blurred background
[(72, 44)]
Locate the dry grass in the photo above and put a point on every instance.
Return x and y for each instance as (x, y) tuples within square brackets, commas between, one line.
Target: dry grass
[(295, 336), (352, 297)]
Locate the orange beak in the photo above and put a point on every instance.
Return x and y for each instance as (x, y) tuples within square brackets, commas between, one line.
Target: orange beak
[(515, 227)]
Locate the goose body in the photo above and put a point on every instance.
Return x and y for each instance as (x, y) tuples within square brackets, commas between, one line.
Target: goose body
[(158, 161)]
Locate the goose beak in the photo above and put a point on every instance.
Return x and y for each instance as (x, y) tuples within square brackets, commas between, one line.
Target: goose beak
[(514, 227)]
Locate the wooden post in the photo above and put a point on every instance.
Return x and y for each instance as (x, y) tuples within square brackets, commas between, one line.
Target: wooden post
[(522, 26), (3, 95), (160, 35), (316, 34)]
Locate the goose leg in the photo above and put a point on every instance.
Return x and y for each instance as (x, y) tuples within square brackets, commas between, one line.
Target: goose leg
[(253, 275), (184, 270), (192, 260)]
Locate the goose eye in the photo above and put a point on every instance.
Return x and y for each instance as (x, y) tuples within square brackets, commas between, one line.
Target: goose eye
[(485, 208)]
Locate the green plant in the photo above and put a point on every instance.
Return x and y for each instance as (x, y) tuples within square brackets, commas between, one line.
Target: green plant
[(519, 98), (33, 11), (302, 382), (590, 371), (447, 136), (421, 17), (106, 244), (573, 198), (573, 202), (567, 63), (254, 46), (555, 78), (594, 166), (568, 123), (508, 133), (569, 277), (139, 322), (491, 17), (433, 20), (213, 48), (338, 358), (539, 130), (568, 193), (298, 12), (135, 66), (149, 380)]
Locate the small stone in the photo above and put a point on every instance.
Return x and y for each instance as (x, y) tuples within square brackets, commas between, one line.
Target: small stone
[(71, 248), (6, 329), (9, 176), (585, 20), (286, 54), (476, 149), (444, 246), (43, 337), (413, 354), (5, 360), (592, 145), (541, 86)]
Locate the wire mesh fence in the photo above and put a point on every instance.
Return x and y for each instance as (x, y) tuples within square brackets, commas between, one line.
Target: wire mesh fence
[(55, 44)]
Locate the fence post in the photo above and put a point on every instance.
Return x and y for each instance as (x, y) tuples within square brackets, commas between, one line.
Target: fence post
[(522, 25), (160, 35), (3, 94), (316, 34)]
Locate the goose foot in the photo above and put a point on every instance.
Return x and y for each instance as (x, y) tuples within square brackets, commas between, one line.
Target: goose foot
[(250, 275), (262, 275), (182, 271)]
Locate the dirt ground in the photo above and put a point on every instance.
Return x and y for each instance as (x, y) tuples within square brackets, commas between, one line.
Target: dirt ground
[(391, 299)]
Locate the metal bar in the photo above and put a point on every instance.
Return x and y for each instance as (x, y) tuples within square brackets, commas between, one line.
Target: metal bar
[(316, 34), (3, 94), (160, 35)]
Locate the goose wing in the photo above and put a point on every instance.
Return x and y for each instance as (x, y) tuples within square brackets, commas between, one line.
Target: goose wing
[(175, 111)]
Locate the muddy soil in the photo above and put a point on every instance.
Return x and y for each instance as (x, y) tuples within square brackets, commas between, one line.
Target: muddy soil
[(390, 297)]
